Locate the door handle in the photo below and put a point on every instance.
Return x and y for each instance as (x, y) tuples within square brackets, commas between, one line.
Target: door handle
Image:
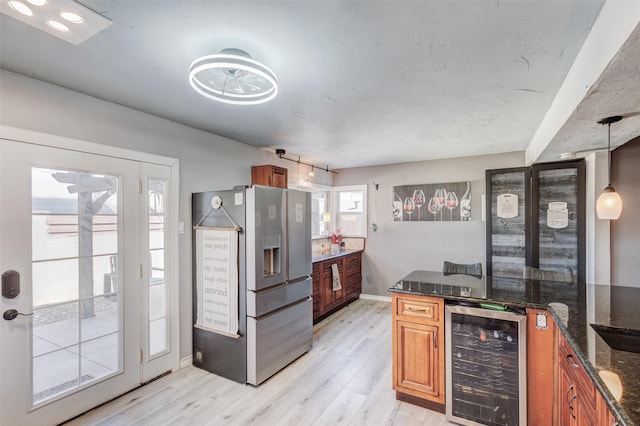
[(11, 314)]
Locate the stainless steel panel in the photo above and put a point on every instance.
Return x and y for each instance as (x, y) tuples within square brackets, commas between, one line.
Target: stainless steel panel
[(490, 348), (265, 301), (266, 237), (298, 234), (276, 340)]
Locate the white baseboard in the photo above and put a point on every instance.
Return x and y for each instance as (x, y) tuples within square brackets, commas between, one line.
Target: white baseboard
[(375, 297), (185, 362)]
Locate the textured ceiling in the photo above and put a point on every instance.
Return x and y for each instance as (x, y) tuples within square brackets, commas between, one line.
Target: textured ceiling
[(361, 83)]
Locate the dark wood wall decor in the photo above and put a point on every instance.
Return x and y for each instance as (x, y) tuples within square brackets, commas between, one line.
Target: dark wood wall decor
[(548, 231)]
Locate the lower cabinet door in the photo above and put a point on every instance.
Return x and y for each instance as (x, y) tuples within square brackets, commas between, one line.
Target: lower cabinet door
[(417, 357)]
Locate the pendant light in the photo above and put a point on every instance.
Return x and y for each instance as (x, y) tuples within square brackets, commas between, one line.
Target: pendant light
[(609, 204)]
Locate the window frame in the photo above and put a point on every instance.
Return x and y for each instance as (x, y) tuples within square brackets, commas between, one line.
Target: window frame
[(336, 218)]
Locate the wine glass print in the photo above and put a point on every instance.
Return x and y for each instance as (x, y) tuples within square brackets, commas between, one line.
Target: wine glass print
[(409, 206), (433, 207), (451, 202), (440, 196), (397, 207), (418, 200)]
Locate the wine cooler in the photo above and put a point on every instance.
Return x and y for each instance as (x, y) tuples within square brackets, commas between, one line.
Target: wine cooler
[(486, 366)]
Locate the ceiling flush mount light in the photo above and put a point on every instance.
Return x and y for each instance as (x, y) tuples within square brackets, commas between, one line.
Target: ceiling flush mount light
[(64, 19), (72, 17), (20, 7), (58, 26), (609, 204), (233, 77)]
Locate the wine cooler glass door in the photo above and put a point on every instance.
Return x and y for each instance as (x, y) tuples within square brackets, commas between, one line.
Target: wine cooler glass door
[(486, 366)]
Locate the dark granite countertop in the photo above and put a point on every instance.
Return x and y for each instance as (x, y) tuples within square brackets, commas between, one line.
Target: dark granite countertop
[(574, 307), (326, 254)]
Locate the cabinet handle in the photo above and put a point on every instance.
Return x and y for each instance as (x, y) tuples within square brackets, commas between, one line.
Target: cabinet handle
[(571, 361), (435, 339), (413, 309), (570, 401)]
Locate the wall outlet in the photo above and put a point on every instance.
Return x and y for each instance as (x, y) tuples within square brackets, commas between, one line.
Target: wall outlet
[(541, 320)]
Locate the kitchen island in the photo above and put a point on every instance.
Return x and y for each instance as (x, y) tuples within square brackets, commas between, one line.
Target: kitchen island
[(615, 374)]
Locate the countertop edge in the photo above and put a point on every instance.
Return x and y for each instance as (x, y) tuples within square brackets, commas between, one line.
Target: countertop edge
[(333, 256)]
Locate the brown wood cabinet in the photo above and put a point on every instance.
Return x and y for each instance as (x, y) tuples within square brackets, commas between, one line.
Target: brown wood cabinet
[(269, 175), (418, 348), (540, 368), (577, 400), (325, 299)]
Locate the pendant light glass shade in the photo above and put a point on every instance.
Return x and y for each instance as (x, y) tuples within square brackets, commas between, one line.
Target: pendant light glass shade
[(609, 204)]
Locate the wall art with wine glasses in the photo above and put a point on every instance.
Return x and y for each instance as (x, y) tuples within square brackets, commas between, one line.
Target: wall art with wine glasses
[(432, 202)]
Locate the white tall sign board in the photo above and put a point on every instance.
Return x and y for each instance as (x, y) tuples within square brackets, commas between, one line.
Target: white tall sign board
[(217, 280)]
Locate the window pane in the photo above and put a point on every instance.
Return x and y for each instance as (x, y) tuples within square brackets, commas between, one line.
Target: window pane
[(100, 356), (351, 210), (55, 327), (157, 301), (319, 206), (157, 289), (55, 282), (351, 224), (157, 266), (105, 234), (48, 381), (100, 318), (350, 201), (157, 336)]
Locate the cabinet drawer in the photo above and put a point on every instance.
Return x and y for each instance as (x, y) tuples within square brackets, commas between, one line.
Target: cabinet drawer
[(417, 309), (353, 263), (583, 382)]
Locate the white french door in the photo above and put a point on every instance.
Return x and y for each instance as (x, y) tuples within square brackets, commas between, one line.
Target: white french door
[(156, 269), (91, 318)]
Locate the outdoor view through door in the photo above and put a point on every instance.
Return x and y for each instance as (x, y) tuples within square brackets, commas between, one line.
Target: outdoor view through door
[(76, 299)]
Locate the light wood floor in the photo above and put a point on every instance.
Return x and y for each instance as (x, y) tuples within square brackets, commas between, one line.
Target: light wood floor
[(344, 379)]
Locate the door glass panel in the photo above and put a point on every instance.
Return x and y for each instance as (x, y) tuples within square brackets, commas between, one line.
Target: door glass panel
[(50, 335), (508, 230), (100, 356), (54, 281), (157, 289), (558, 219), (75, 240), (55, 373)]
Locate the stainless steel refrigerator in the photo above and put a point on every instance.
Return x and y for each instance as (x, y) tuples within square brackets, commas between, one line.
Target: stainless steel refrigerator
[(275, 309)]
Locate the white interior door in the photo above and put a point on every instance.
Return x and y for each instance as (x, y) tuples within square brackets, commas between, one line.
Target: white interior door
[(63, 220)]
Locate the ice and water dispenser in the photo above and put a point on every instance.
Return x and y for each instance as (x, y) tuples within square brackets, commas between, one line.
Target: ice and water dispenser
[(272, 252)]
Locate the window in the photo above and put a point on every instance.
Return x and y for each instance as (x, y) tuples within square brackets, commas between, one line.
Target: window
[(351, 210), (319, 207)]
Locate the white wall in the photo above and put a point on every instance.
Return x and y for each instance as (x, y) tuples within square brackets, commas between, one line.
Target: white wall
[(398, 248), (207, 161)]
